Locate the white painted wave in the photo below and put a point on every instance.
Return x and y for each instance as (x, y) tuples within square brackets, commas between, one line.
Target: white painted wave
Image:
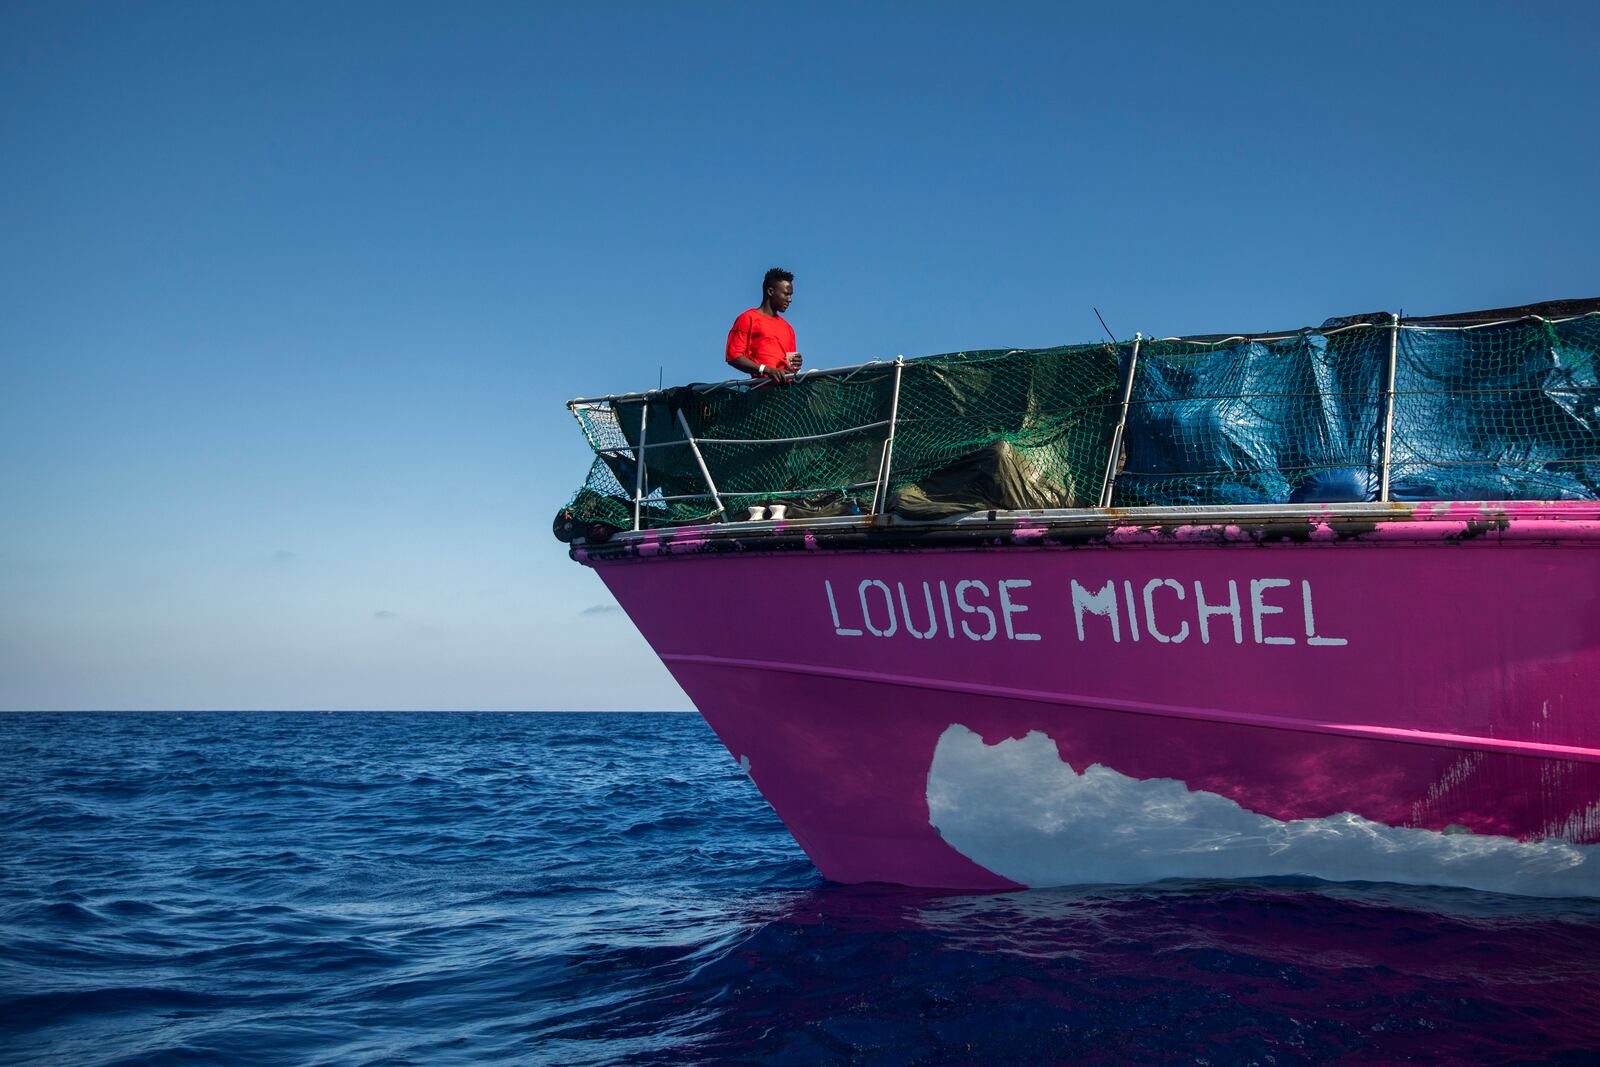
[(1021, 811)]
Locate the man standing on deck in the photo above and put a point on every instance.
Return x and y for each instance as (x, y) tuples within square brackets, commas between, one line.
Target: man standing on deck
[(762, 341)]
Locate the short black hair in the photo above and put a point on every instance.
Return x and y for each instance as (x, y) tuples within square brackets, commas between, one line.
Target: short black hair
[(773, 277)]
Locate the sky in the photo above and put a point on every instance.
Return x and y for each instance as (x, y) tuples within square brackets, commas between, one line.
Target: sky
[(292, 294)]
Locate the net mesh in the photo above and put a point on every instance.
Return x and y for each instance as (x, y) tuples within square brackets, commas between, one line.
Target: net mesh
[(1509, 411), (819, 439), (1252, 421), (1502, 411), (1057, 408)]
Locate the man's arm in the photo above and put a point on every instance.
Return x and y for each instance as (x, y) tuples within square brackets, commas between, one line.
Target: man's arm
[(745, 363)]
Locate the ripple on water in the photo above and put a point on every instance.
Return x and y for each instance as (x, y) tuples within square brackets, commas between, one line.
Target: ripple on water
[(479, 888)]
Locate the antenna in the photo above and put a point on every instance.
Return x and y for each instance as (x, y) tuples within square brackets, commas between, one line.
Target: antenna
[(1103, 325), (661, 376)]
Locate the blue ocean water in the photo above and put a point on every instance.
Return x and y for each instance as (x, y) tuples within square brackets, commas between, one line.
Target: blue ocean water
[(593, 888)]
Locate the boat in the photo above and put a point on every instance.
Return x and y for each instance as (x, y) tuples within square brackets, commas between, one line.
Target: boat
[(1319, 603)]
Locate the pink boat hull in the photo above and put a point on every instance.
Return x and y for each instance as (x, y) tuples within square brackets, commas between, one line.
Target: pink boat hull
[(1409, 698)]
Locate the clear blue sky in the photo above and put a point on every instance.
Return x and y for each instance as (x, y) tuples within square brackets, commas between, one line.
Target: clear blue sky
[(291, 294)]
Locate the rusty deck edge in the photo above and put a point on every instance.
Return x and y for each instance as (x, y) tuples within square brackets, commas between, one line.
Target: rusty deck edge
[(1564, 523)]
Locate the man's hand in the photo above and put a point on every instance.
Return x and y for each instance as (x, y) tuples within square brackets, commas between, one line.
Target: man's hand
[(777, 374), (794, 361)]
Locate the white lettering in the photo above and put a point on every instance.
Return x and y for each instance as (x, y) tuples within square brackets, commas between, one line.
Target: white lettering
[(1208, 610), (1311, 620), (1259, 607), (961, 602), (1103, 603), (1150, 588), (905, 612), (886, 609), (833, 609), (888, 605), (1008, 609)]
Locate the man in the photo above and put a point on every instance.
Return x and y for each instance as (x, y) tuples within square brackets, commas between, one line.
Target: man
[(762, 341)]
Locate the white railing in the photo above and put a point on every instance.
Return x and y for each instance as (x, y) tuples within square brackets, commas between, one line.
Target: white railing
[(880, 501), (880, 484), (1110, 480), (1386, 456)]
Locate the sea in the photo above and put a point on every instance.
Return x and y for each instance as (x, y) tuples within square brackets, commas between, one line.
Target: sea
[(477, 888)]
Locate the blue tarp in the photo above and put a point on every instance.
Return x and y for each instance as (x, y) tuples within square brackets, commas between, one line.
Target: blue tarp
[(1253, 421), (1507, 411)]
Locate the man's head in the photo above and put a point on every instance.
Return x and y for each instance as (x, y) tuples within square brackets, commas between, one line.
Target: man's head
[(777, 289)]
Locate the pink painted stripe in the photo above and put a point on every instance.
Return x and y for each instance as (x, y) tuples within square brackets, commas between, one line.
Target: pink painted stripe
[(1171, 711)]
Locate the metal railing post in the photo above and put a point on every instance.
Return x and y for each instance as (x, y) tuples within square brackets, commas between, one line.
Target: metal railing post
[(1110, 481), (1387, 456), (638, 454), (880, 494), (705, 472)]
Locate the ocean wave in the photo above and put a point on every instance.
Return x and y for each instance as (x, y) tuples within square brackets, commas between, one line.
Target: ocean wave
[(1021, 811), (640, 902)]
